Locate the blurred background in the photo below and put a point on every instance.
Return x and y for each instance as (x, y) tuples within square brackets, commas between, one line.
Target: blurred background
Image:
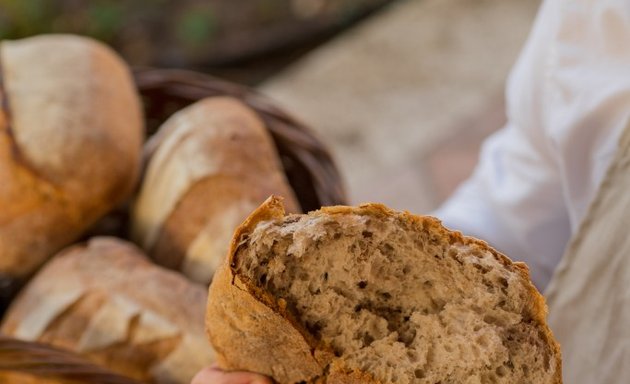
[(244, 40), (403, 92)]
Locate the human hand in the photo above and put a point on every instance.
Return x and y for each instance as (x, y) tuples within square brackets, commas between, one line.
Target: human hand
[(214, 375)]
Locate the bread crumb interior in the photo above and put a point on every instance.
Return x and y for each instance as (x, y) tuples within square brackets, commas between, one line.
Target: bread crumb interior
[(395, 300)]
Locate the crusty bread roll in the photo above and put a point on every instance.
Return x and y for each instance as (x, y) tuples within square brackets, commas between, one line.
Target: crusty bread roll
[(369, 295), (71, 133), (108, 302), (213, 164)]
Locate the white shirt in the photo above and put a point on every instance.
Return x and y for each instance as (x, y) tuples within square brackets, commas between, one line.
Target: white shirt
[(568, 100)]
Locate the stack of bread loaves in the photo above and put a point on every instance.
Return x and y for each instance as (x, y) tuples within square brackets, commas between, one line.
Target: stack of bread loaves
[(70, 145), (71, 136)]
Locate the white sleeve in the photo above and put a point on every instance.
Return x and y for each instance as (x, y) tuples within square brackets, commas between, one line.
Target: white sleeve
[(568, 101), (514, 201)]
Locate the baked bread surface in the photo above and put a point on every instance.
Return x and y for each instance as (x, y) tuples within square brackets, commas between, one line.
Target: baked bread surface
[(71, 132), (106, 301), (367, 294), (209, 166)]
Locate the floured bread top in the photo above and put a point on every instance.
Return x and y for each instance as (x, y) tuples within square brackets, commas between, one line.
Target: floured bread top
[(399, 298), (209, 165), (106, 301)]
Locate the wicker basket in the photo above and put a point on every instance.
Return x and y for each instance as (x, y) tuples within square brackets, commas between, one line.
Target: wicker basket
[(308, 165), (51, 363)]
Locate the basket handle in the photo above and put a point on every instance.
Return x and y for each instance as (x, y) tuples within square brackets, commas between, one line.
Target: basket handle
[(50, 362)]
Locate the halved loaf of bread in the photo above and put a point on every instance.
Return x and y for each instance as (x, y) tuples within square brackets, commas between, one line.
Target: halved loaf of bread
[(370, 295)]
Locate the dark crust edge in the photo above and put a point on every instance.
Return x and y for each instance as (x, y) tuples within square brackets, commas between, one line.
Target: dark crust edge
[(273, 209)]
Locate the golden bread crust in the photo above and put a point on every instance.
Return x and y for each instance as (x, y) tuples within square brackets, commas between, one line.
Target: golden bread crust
[(208, 166), (105, 300), (70, 141)]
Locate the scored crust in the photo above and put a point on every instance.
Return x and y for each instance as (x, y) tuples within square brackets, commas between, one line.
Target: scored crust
[(106, 301), (209, 166), (241, 318)]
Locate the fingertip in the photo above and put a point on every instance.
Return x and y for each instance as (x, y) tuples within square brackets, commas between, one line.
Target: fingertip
[(260, 381), (214, 375)]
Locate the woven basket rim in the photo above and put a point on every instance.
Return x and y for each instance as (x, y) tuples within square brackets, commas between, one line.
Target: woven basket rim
[(296, 142), (46, 361)]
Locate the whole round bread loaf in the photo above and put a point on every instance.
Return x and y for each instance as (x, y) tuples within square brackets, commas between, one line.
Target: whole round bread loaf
[(71, 132), (209, 166), (105, 300), (371, 295)]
